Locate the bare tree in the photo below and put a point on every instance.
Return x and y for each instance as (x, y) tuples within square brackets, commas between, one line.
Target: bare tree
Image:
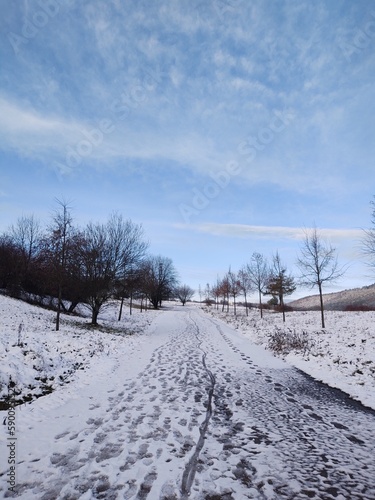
[(318, 264), (207, 294), (26, 235), (258, 272), (108, 252), (127, 243), (129, 250), (184, 293), (128, 287), (10, 258), (98, 268), (58, 271), (225, 291), (159, 278), (200, 293), (280, 283), (61, 230), (234, 287), (74, 289), (216, 292), (245, 284), (369, 239)]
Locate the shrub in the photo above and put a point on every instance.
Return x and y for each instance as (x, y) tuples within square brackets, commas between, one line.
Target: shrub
[(358, 307), (284, 341)]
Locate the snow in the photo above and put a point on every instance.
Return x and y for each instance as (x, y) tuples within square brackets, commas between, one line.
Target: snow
[(177, 404), (342, 355), (40, 359)]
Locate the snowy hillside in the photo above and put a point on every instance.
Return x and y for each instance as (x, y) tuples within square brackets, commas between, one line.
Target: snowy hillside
[(356, 298), (38, 360), (342, 355)]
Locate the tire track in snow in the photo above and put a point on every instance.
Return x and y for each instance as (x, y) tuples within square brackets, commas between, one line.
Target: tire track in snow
[(191, 467)]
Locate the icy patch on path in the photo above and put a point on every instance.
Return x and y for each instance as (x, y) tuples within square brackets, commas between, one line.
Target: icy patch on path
[(342, 355)]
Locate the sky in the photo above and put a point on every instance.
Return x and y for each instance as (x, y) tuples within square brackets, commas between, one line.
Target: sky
[(224, 127)]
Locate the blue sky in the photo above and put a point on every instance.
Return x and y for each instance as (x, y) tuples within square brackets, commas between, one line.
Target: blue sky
[(224, 127)]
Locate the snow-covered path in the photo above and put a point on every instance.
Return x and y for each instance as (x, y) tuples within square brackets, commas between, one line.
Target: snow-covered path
[(194, 410)]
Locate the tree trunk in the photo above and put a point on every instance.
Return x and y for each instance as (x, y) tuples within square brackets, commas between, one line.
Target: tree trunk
[(121, 306), (72, 306), (95, 314), (282, 307), (260, 304), (321, 305), (155, 302), (131, 302), (58, 309), (247, 312)]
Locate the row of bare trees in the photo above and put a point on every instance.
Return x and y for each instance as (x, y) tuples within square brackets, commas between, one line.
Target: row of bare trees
[(258, 277), (70, 265), (317, 263)]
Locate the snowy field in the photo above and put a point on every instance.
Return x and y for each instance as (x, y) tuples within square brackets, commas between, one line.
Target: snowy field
[(178, 404), (342, 355)]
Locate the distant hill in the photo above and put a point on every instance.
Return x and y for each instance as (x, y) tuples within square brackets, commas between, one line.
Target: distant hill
[(355, 299)]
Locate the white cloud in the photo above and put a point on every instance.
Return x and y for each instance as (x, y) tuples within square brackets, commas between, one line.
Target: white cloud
[(272, 232), (33, 134), (23, 127), (14, 119)]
